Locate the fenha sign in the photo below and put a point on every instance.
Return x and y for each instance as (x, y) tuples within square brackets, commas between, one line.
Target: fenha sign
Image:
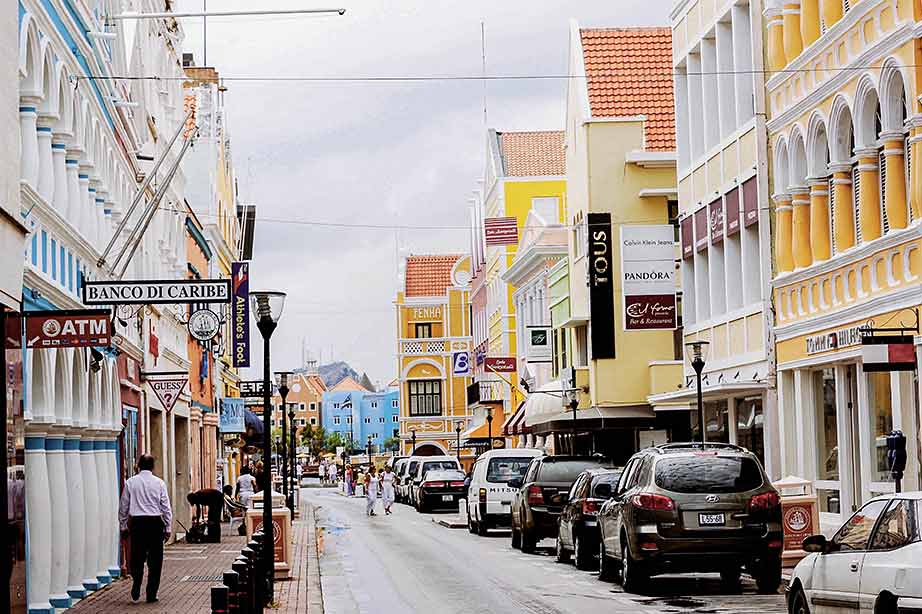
[(178, 291)]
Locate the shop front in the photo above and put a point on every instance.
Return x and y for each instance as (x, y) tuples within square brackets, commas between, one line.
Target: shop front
[(835, 417)]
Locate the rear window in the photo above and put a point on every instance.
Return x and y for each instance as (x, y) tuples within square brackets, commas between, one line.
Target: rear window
[(566, 471), (608, 478), (412, 469), (501, 470), (439, 465), (708, 474), (445, 475)]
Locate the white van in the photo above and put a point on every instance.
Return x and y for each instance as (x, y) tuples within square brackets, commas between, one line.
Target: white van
[(489, 497)]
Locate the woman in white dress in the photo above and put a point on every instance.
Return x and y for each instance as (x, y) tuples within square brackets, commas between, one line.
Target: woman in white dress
[(372, 484), (387, 484)]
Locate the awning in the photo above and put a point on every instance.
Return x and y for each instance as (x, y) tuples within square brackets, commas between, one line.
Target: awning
[(481, 431), (515, 424), (574, 322), (545, 401), (600, 413), (688, 396)]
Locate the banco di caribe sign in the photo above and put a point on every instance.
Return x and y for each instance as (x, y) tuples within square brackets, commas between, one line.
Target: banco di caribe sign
[(149, 292)]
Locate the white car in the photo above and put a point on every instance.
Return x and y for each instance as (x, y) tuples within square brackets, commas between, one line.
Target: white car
[(873, 564), (489, 499)]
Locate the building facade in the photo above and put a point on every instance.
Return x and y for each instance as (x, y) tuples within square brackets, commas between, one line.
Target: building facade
[(725, 225), (305, 396), (363, 417), (843, 124), (433, 320)]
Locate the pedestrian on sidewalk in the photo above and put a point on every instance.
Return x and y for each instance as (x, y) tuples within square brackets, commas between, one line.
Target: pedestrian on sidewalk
[(322, 470), (333, 471), (371, 490), (347, 481), (145, 516), (246, 486), (387, 484)]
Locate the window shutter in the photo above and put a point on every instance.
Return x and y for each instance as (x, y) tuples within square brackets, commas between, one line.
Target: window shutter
[(882, 170), (856, 201), (846, 5), (832, 216)]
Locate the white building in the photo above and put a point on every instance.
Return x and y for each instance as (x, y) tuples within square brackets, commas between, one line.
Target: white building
[(79, 171)]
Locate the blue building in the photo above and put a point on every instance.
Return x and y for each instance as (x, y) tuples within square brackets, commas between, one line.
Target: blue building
[(362, 414)]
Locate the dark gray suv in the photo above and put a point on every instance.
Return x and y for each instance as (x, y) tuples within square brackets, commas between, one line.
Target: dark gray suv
[(692, 507)]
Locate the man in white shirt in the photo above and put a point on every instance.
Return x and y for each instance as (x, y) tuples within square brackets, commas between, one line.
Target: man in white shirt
[(146, 516)]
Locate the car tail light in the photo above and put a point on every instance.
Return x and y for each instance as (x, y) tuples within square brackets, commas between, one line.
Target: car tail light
[(591, 507), (482, 495), (456, 484), (648, 546), (653, 502), (765, 501), (535, 496)]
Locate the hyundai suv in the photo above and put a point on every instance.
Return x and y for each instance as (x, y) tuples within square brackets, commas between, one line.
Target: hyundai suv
[(692, 507)]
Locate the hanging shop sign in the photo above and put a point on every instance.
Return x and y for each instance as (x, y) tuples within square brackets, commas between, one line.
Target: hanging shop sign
[(701, 229), (688, 237), (538, 344), (601, 286), (732, 211), (167, 389), (648, 282), (175, 291), (240, 310), (68, 328), (716, 221), (252, 389), (204, 324), (835, 340), (232, 420), (501, 231), (431, 313), (750, 202), (500, 364), (461, 364), (888, 353)]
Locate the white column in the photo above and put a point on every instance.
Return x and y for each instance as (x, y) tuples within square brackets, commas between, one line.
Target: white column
[(113, 554), (38, 524), (91, 522), (60, 523), (76, 518), (72, 213), (846, 435), (28, 118), (59, 165), (84, 218), (104, 503), (45, 185), (806, 418), (94, 211)]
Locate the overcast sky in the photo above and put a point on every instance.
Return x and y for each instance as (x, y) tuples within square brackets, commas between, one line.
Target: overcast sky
[(389, 154)]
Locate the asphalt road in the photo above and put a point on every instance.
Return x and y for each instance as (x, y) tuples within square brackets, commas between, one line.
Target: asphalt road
[(406, 563)]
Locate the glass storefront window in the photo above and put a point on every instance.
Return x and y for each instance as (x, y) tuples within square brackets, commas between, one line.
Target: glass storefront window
[(827, 425), (750, 425), (881, 409), (717, 419), (828, 500)]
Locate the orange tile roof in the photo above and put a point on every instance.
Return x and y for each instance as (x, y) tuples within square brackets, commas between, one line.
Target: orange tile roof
[(348, 383), (530, 154), (429, 275), (629, 72)]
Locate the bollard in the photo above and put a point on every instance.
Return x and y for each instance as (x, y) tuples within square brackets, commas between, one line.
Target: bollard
[(256, 578), (244, 587), (218, 600), (251, 579), (232, 582)]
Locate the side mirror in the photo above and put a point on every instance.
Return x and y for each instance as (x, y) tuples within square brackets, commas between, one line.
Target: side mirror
[(816, 543), (603, 491), (515, 483)]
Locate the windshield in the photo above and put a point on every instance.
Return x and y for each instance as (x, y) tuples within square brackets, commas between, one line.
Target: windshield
[(708, 474), (566, 471), (501, 470), (436, 465)]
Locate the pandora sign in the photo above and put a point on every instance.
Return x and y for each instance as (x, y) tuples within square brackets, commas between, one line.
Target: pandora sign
[(648, 281)]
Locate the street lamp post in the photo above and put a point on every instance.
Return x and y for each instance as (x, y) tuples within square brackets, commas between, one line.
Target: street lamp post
[(458, 444), (368, 448), (489, 428), (413, 439), (281, 378), (267, 308), (697, 349), (573, 404), (292, 457)]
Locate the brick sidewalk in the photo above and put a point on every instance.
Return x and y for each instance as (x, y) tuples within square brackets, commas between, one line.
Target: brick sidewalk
[(190, 570)]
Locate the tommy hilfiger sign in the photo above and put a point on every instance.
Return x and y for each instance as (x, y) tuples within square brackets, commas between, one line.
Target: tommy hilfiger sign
[(835, 340)]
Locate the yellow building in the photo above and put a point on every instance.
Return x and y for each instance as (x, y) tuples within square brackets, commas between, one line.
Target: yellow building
[(433, 353), (621, 179), (524, 175), (844, 121)]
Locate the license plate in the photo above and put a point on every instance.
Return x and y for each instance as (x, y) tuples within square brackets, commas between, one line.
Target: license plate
[(506, 502), (447, 498), (711, 520)]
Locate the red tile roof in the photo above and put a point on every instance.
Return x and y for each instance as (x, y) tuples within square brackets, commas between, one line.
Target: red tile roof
[(348, 383), (629, 72), (429, 275), (530, 154)]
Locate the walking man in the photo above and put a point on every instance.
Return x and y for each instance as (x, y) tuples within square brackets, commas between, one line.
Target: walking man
[(145, 515)]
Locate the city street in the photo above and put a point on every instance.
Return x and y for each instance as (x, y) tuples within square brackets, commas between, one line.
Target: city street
[(408, 563)]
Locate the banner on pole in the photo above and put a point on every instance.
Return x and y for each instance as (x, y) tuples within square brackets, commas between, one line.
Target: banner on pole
[(240, 310), (232, 420)]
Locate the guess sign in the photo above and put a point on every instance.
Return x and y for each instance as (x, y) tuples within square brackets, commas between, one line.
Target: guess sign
[(68, 329), (168, 390)]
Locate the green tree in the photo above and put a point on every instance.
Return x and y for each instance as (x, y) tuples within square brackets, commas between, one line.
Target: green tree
[(392, 444)]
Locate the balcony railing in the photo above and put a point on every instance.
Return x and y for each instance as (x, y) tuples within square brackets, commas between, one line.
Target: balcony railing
[(435, 345)]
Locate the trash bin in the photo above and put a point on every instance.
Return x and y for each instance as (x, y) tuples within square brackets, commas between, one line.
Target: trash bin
[(800, 516)]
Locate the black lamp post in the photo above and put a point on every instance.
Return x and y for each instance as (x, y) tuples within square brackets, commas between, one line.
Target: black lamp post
[(368, 449), (413, 439), (458, 444), (489, 428), (267, 308), (281, 378), (697, 349), (573, 404), (292, 457)]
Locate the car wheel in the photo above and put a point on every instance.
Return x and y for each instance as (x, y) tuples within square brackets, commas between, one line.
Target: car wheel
[(562, 555), (730, 578), (886, 604), (797, 604), (528, 541), (470, 525), (633, 577), (768, 575), (581, 554), (516, 539), (482, 528), (606, 569)]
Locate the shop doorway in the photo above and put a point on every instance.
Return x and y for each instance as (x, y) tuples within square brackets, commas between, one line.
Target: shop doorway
[(156, 444)]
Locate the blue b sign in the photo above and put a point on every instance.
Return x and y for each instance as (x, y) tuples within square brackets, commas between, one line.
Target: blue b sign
[(461, 364), (232, 416)]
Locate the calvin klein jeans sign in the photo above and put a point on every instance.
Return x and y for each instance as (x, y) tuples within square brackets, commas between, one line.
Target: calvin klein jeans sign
[(648, 283), (153, 292), (601, 288)]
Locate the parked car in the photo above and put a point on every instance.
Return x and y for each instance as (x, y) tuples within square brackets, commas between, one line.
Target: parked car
[(397, 469), (440, 489), (536, 505), (692, 507), (578, 529), (872, 565), (489, 497), (425, 465), (393, 460), (405, 478)]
